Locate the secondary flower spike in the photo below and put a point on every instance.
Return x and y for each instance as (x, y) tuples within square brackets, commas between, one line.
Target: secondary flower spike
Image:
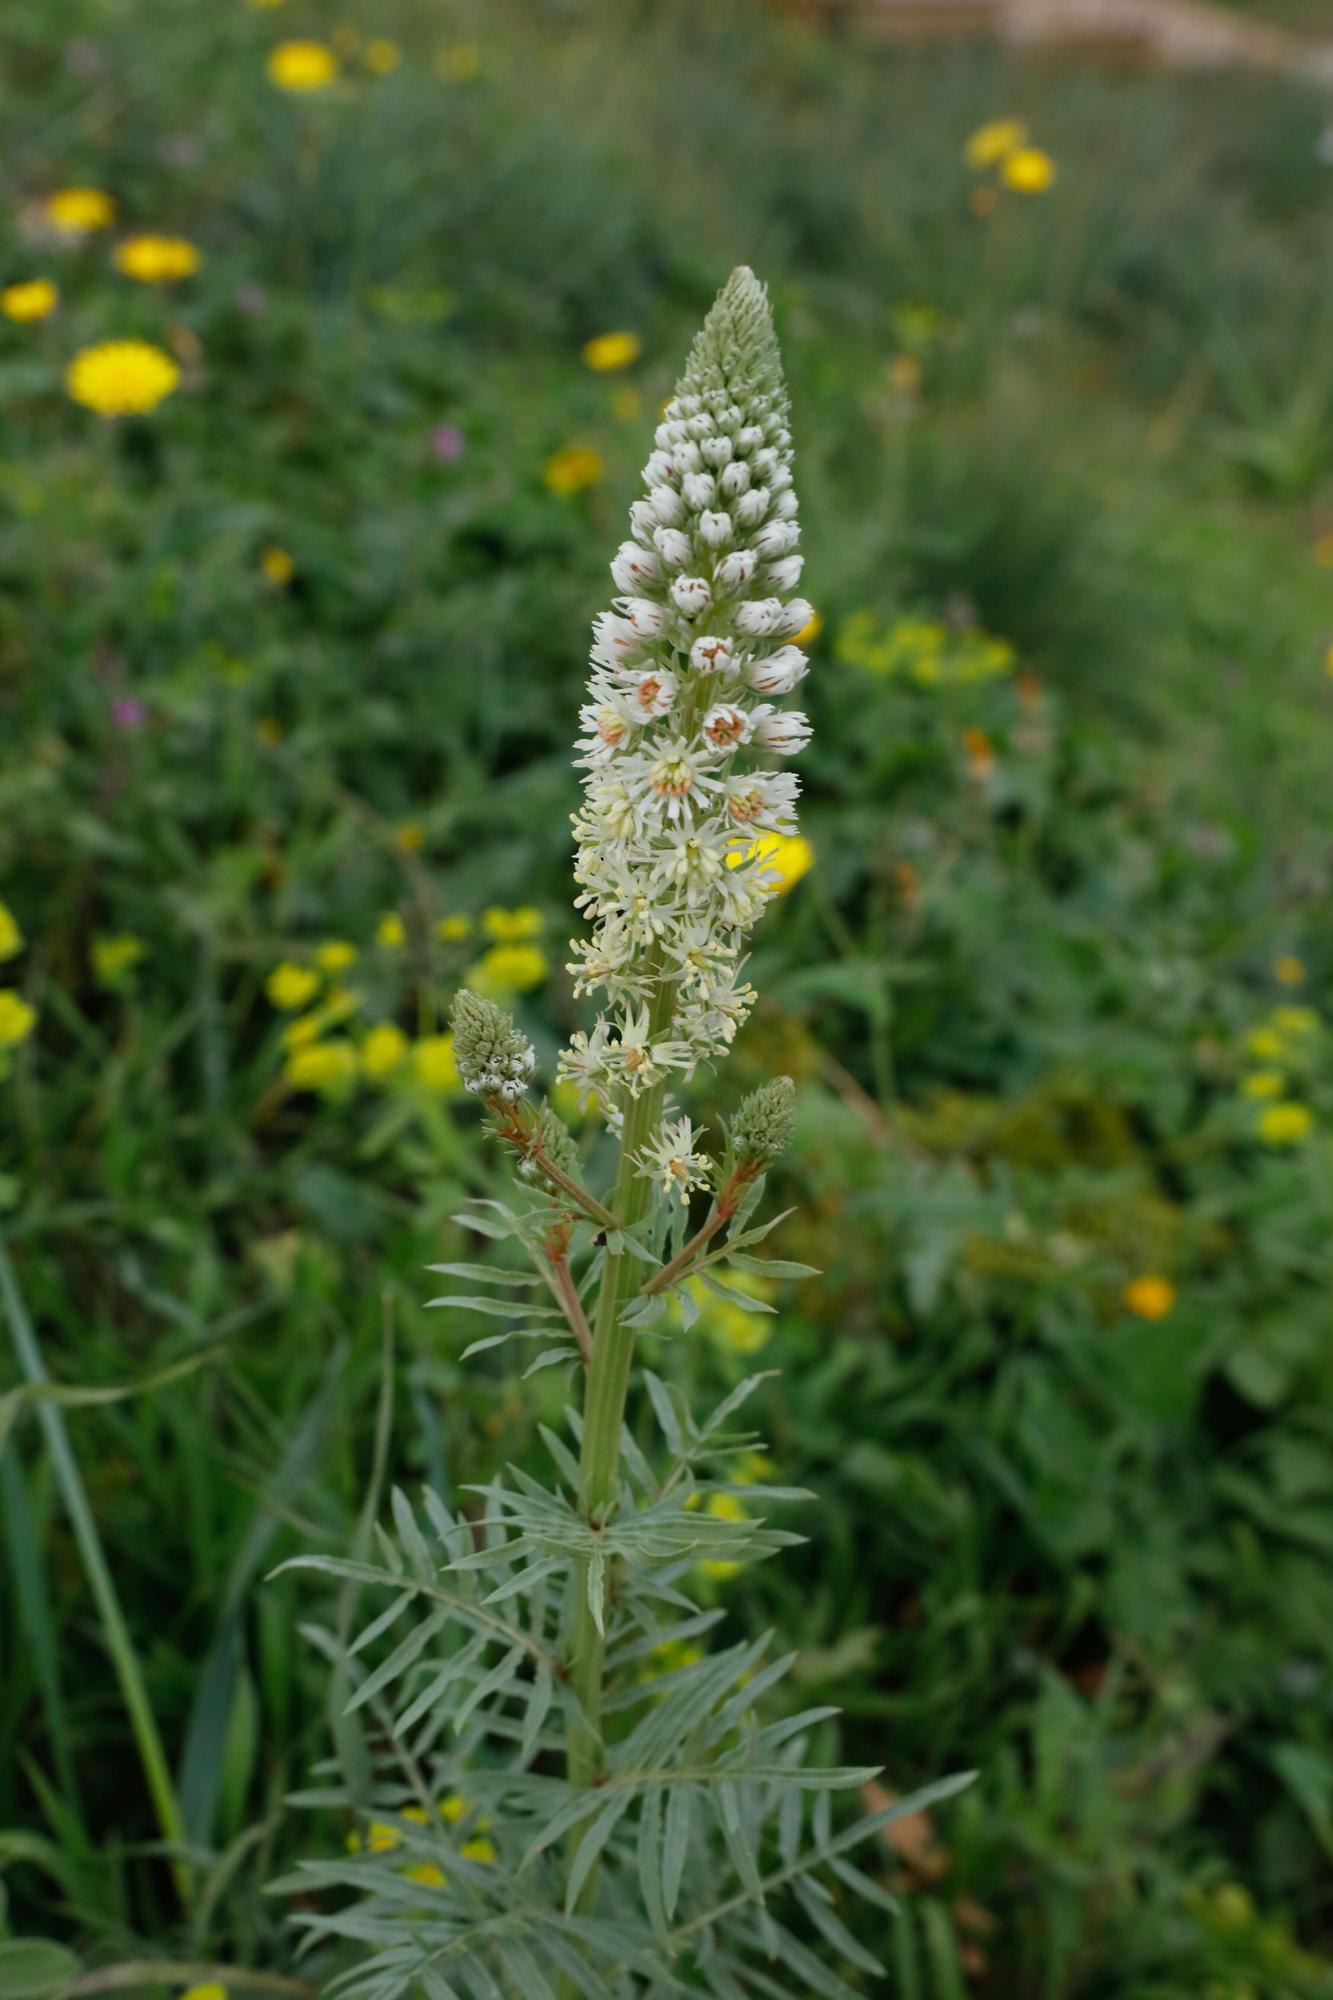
[(678, 740), (494, 1059)]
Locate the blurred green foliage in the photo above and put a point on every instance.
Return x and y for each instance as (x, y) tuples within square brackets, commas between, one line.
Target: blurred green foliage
[(1075, 1533)]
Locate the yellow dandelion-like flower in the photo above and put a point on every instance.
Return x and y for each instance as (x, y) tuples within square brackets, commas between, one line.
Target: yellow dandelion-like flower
[(1297, 1021), (11, 937), (574, 468), (512, 926), (208, 1989), (1285, 1124), (786, 856), (121, 378), (32, 299), (17, 1018), (1265, 1044), (383, 1050), (730, 1325), (390, 934), (410, 837), (156, 260), (508, 968), (1289, 971), (290, 986), (479, 1848), (76, 211), (810, 631), (433, 1063), (1028, 171), (114, 958), (1149, 1297), (322, 1066), (450, 929), (1263, 1083), (993, 142), (302, 66), (383, 56), (277, 565), (612, 351), (335, 955)]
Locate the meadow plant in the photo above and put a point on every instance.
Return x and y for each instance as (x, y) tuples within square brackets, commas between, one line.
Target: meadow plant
[(557, 1786)]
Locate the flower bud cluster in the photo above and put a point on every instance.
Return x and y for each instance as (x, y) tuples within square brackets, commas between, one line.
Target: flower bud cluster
[(762, 1128), (687, 669), (494, 1059)]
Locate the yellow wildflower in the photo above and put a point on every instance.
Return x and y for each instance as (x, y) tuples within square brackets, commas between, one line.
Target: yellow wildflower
[(121, 378), (479, 1848), (433, 1063), (752, 1468), (78, 210), (389, 931), (810, 631), (1265, 1043), (1262, 1083), (1149, 1297), (16, 1018), (409, 837), (1029, 170), (321, 1066), (33, 298), (304, 1029), (450, 929), (302, 66), (573, 468), (459, 62), (383, 1050), (208, 1989), (335, 955), (993, 142), (508, 968), (1295, 1020), (729, 1324), (512, 926), (277, 565), (290, 986), (11, 937), (611, 351), (723, 1507), (156, 260), (114, 957), (383, 56), (787, 857), (1285, 1124), (1289, 971)]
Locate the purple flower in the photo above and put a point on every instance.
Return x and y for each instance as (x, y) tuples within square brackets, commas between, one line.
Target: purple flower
[(127, 712), (446, 442)]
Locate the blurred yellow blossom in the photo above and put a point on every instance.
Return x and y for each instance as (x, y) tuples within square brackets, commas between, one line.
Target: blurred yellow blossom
[(16, 1018), (383, 56), (459, 62), (409, 837), (11, 937), (277, 565), (389, 931), (1298, 1021), (1029, 170), (1285, 1124), (993, 142), (321, 1066), (570, 470), (512, 926), (433, 1062), (121, 378), (1263, 1083), (1265, 1043), (810, 631), (730, 1324), (508, 968), (610, 351), (269, 730), (156, 260), (788, 856), (723, 1507), (335, 955), (1289, 971), (383, 1050), (114, 957), (75, 211), (209, 1989), (302, 66), (1149, 1297), (450, 929), (32, 298), (304, 1029), (290, 986)]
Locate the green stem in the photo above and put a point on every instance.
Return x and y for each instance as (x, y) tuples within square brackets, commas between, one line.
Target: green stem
[(118, 1641)]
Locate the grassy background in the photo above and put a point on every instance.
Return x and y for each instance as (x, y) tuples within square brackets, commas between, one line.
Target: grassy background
[(1084, 1551)]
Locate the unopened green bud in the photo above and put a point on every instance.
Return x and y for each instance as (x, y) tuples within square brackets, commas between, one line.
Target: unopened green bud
[(493, 1058), (550, 1139), (761, 1130)]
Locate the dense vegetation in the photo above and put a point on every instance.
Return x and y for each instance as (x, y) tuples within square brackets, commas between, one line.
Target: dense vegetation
[(292, 661)]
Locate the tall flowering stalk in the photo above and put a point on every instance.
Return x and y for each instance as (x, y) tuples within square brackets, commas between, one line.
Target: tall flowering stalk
[(561, 1793)]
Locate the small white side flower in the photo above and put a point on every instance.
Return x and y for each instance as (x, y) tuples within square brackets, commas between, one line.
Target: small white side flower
[(672, 1160)]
